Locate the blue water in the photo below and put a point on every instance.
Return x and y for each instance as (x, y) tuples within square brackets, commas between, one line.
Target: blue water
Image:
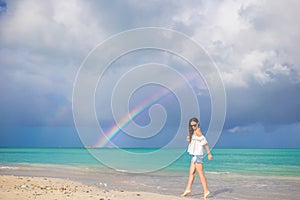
[(276, 162)]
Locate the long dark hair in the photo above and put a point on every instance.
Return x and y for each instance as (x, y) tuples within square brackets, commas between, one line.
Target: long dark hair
[(191, 130)]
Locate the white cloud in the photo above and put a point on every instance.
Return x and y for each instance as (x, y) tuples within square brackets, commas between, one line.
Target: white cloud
[(248, 40), (237, 129), (251, 66), (44, 43), (51, 26), (281, 69)]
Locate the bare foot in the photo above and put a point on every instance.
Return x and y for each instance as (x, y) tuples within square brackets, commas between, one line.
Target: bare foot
[(187, 192), (206, 194)]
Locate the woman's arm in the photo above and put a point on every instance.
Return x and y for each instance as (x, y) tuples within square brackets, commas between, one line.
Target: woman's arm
[(209, 156)]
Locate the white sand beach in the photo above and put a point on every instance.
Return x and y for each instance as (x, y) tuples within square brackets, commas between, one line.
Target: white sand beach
[(22, 187)]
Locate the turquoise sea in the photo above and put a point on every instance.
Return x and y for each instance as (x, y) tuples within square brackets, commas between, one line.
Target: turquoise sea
[(232, 174)]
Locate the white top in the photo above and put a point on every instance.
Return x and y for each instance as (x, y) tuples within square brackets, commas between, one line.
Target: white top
[(196, 145)]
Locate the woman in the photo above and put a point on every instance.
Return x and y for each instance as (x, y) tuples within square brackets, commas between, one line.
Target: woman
[(197, 142)]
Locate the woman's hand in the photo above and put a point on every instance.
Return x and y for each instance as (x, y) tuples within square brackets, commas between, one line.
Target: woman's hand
[(188, 138), (209, 156)]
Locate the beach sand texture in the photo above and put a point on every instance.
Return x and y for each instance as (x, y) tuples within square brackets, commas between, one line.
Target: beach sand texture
[(21, 187)]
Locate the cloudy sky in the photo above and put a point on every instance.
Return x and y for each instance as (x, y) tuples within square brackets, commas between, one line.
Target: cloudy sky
[(254, 44)]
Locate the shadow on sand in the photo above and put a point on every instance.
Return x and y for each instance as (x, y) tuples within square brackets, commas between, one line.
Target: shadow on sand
[(217, 192), (213, 194)]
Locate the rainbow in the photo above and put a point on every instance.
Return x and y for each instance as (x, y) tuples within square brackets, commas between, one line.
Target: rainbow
[(133, 114), (103, 141)]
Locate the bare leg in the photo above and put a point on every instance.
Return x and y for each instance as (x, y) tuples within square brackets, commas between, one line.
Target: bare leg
[(199, 168), (191, 180)]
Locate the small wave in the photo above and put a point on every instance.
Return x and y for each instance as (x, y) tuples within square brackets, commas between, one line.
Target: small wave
[(8, 167), (218, 172), (121, 170)]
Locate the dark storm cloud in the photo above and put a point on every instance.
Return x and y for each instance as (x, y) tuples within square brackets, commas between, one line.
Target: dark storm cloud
[(254, 44)]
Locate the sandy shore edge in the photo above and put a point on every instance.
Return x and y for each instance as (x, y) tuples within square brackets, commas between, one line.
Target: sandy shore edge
[(23, 187)]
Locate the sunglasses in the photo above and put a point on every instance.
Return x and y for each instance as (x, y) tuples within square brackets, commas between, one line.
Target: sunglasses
[(193, 125)]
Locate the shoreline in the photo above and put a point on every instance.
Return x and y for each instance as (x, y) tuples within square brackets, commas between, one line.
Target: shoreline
[(32, 184), (26, 187)]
